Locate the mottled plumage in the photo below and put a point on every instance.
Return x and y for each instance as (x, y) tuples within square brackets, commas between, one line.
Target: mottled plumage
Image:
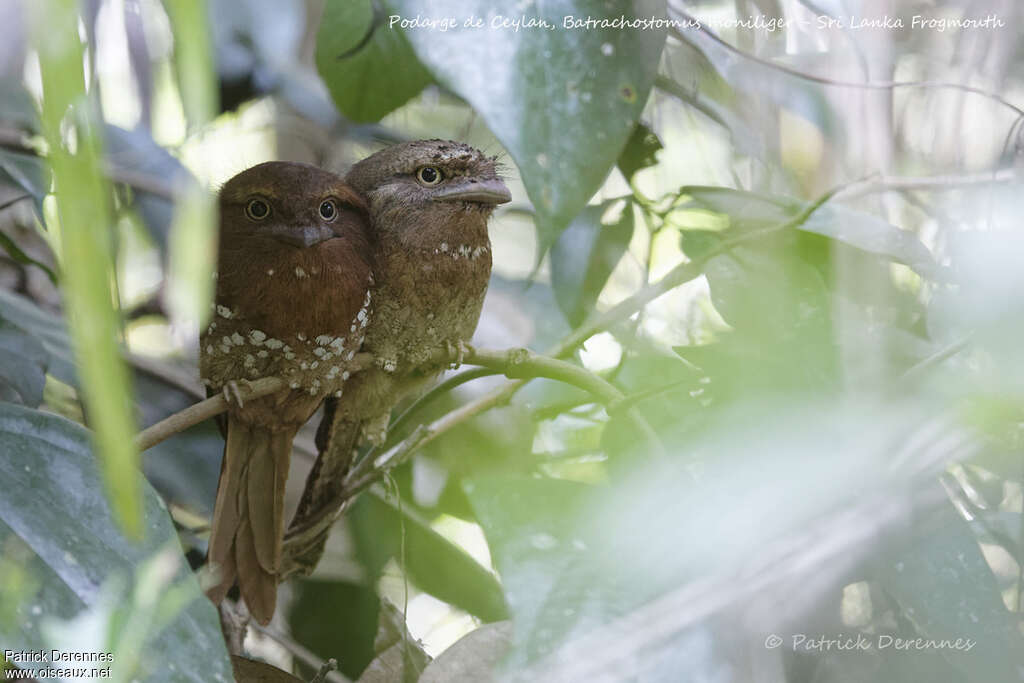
[(293, 301), (432, 266)]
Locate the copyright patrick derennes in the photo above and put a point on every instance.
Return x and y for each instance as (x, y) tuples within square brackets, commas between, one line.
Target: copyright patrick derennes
[(801, 642)]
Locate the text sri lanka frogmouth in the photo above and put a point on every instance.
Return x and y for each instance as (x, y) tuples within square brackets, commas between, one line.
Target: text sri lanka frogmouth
[(292, 301), (429, 203)]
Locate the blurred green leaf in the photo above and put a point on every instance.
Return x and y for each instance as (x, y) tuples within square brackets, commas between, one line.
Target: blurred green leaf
[(53, 502), (369, 68), (28, 172), (193, 60), (349, 639), (23, 362), (640, 151), (562, 101), (46, 326), (586, 253), (16, 254), (434, 563), (16, 106), (84, 207), (473, 658)]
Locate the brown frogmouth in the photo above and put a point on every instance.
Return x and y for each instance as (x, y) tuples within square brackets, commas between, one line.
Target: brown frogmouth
[(292, 301), (429, 204)]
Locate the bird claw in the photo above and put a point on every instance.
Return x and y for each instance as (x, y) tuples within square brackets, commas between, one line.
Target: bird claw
[(233, 392), (375, 431), (457, 352)]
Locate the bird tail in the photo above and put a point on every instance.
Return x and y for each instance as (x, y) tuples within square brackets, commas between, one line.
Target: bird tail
[(247, 528), (337, 439)]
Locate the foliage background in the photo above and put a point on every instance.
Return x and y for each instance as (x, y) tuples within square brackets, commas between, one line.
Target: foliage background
[(795, 250)]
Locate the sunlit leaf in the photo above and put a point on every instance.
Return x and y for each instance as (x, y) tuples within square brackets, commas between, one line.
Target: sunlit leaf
[(369, 67), (533, 87)]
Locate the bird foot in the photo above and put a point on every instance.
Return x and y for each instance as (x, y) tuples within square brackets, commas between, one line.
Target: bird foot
[(233, 392), (375, 431), (457, 351)]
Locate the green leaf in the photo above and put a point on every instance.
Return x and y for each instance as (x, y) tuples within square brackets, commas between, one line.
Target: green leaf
[(193, 59), (46, 326), (53, 507), (370, 69), (23, 362), (350, 639), (16, 254), (436, 565), (83, 200), (473, 657), (562, 101), (26, 171), (640, 151), (586, 253)]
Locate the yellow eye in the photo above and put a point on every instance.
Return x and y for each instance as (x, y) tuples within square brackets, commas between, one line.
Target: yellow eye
[(429, 175), (257, 209)]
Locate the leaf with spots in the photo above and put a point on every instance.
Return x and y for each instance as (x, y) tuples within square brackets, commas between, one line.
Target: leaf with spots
[(563, 101)]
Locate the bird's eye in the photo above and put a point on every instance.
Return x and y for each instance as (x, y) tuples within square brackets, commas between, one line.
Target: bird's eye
[(429, 175), (257, 209), (328, 211)]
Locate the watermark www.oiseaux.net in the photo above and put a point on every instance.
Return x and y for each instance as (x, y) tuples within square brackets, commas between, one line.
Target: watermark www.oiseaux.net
[(570, 22), (801, 642)]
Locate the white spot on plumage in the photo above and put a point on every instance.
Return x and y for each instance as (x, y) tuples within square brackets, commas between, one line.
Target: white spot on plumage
[(300, 336), (250, 360), (273, 343), (345, 375), (257, 337), (319, 352), (288, 355), (304, 365), (224, 312), (270, 272), (294, 385), (361, 316), (444, 246), (314, 365), (339, 343), (209, 349), (350, 355), (323, 340), (262, 353), (237, 339), (337, 394), (300, 273)]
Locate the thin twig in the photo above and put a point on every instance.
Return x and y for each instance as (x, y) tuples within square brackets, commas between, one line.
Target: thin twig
[(204, 410), (302, 653)]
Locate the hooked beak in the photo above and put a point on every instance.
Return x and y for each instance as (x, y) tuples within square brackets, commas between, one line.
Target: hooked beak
[(490, 191), (303, 237)]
